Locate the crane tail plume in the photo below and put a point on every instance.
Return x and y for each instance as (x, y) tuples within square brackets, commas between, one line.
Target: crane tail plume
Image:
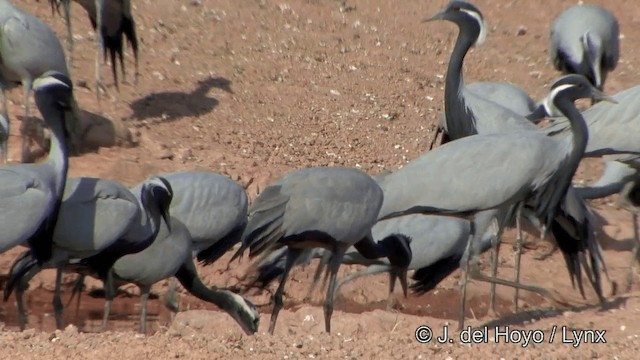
[(23, 264)]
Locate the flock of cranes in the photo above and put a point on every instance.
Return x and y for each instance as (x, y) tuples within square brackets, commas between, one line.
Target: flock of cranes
[(494, 167)]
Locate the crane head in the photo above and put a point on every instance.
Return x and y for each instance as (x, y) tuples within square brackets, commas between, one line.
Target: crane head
[(53, 86), (574, 87), (466, 16), (161, 193)]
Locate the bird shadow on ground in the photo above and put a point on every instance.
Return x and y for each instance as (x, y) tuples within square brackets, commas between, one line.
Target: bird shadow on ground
[(96, 131), (524, 317), (173, 105)]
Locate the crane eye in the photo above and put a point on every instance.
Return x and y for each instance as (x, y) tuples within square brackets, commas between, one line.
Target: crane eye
[(457, 8)]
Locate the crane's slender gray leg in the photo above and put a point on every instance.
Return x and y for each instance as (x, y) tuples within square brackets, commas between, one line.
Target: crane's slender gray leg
[(465, 279), (519, 241), (634, 253), (22, 314), (77, 290), (495, 253), (26, 122), (292, 256), (144, 296), (370, 270), (66, 4), (109, 293), (57, 299), (326, 255), (99, 46), (334, 266), (476, 274)]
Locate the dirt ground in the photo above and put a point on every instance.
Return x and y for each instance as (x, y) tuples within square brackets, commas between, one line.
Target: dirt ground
[(255, 88)]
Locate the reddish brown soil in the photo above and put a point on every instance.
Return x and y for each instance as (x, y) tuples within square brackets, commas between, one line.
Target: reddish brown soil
[(253, 89)]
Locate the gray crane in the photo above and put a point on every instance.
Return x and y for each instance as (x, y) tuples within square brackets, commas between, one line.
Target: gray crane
[(437, 245), (329, 207), (28, 49), (468, 112), (623, 179), (170, 255), (111, 23), (212, 207), (584, 40), (517, 169), (99, 222), (611, 129), (31, 193)]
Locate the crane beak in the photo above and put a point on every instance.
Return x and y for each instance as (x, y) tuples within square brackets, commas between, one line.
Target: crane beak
[(438, 16), (600, 96)]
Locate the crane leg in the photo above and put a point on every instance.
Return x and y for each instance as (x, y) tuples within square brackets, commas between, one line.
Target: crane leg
[(634, 253), (99, 46), (144, 296), (77, 290), (109, 293), (465, 277), (334, 266), (57, 300), (316, 276), (67, 19), (292, 256), (495, 252), (22, 314), (476, 274), (519, 241)]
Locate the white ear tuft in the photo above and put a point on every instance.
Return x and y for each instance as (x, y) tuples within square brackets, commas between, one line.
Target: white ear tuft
[(548, 101), (47, 81), (481, 23)]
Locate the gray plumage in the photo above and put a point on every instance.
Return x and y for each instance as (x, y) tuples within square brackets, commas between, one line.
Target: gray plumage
[(584, 40), (468, 112), (99, 221), (327, 207), (612, 127), (504, 94), (437, 245), (213, 208), (28, 49), (524, 167), (170, 255), (30, 194)]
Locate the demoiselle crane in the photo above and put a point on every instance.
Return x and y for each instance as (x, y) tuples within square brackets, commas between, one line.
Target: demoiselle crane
[(99, 222), (329, 207)]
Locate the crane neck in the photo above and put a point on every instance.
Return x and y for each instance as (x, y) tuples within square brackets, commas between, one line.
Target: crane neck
[(58, 156), (188, 277), (395, 247), (153, 216), (457, 118), (579, 131)]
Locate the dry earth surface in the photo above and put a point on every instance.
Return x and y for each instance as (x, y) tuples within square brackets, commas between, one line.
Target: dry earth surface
[(255, 88)]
